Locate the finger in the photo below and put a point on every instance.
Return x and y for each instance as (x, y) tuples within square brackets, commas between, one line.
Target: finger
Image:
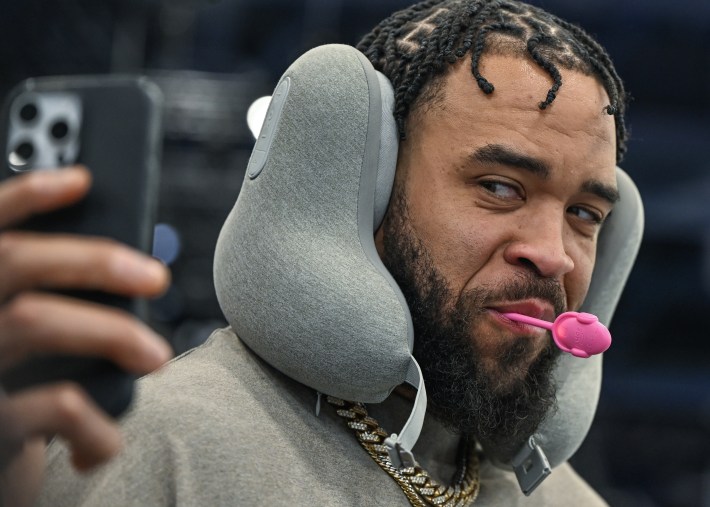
[(11, 437), (40, 191), (35, 323), (30, 260), (21, 479), (65, 410)]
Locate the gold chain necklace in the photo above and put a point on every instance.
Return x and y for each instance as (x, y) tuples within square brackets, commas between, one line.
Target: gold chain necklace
[(421, 489)]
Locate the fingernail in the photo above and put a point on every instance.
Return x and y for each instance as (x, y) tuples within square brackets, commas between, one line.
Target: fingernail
[(156, 270), (140, 270), (159, 349)]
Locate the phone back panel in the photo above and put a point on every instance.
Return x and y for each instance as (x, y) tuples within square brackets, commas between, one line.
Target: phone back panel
[(110, 124)]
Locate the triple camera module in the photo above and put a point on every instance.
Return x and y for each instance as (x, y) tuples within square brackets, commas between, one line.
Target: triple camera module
[(43, 131)]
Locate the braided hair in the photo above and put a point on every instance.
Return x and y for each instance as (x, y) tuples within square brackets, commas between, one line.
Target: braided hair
[(415, 46)]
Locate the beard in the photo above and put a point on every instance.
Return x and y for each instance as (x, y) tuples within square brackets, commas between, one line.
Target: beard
[(499, 404)]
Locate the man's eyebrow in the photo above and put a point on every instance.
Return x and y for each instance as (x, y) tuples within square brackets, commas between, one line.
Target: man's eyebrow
[(606, 192), (503, 155)]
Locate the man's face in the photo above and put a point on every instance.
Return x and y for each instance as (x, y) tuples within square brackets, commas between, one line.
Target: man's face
[(497, 208)]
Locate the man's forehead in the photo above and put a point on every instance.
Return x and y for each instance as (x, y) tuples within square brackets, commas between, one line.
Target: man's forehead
[(520, 86), (520, 81)]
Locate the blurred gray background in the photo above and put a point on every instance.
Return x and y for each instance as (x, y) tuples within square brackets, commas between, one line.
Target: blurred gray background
[(650, 445)]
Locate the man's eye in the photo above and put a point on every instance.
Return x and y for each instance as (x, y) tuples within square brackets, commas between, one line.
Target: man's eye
[(587, 215), (501, 189)]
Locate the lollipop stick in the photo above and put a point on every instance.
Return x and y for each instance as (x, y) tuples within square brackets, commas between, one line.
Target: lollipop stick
[(528, 320)]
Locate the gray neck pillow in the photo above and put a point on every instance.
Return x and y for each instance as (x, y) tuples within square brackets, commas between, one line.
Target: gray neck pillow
[(300, 281)]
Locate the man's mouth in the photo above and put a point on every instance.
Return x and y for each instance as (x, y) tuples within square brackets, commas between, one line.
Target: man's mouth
[(535, 308)]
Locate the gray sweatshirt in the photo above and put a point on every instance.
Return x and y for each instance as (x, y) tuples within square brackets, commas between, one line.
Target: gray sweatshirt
[(220, 427)]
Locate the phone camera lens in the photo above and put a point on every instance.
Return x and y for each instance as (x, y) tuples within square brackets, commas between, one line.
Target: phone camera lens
[(59, 130), (22, 154), (28, 112)]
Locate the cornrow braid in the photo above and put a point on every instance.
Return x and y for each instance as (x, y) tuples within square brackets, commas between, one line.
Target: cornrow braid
[(415, 46), (533, 43)]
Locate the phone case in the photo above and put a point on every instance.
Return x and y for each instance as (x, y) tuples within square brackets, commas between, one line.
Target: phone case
[(112, 125)]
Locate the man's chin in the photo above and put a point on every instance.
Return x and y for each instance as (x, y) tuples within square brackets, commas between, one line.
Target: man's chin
[(507, 366), (504, 382)]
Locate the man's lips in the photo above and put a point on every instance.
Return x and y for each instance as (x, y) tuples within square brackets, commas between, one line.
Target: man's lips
[(533, 308)]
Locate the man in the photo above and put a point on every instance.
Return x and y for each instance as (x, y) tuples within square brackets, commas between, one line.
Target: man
[(511, 125), (472, 225)]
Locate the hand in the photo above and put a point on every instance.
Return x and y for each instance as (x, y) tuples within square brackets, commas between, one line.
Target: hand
[(33, 322)]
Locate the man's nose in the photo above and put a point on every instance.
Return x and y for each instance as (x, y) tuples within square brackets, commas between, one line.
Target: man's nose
[(540, 245)]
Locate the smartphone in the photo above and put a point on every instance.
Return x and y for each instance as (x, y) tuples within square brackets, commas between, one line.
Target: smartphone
[(112, 125)]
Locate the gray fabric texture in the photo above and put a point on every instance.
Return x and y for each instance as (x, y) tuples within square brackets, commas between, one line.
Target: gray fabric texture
[(220, 427), (293, 275), (389, 147)]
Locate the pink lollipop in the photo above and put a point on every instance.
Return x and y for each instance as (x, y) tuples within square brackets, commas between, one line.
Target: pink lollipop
[(581, 334)]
